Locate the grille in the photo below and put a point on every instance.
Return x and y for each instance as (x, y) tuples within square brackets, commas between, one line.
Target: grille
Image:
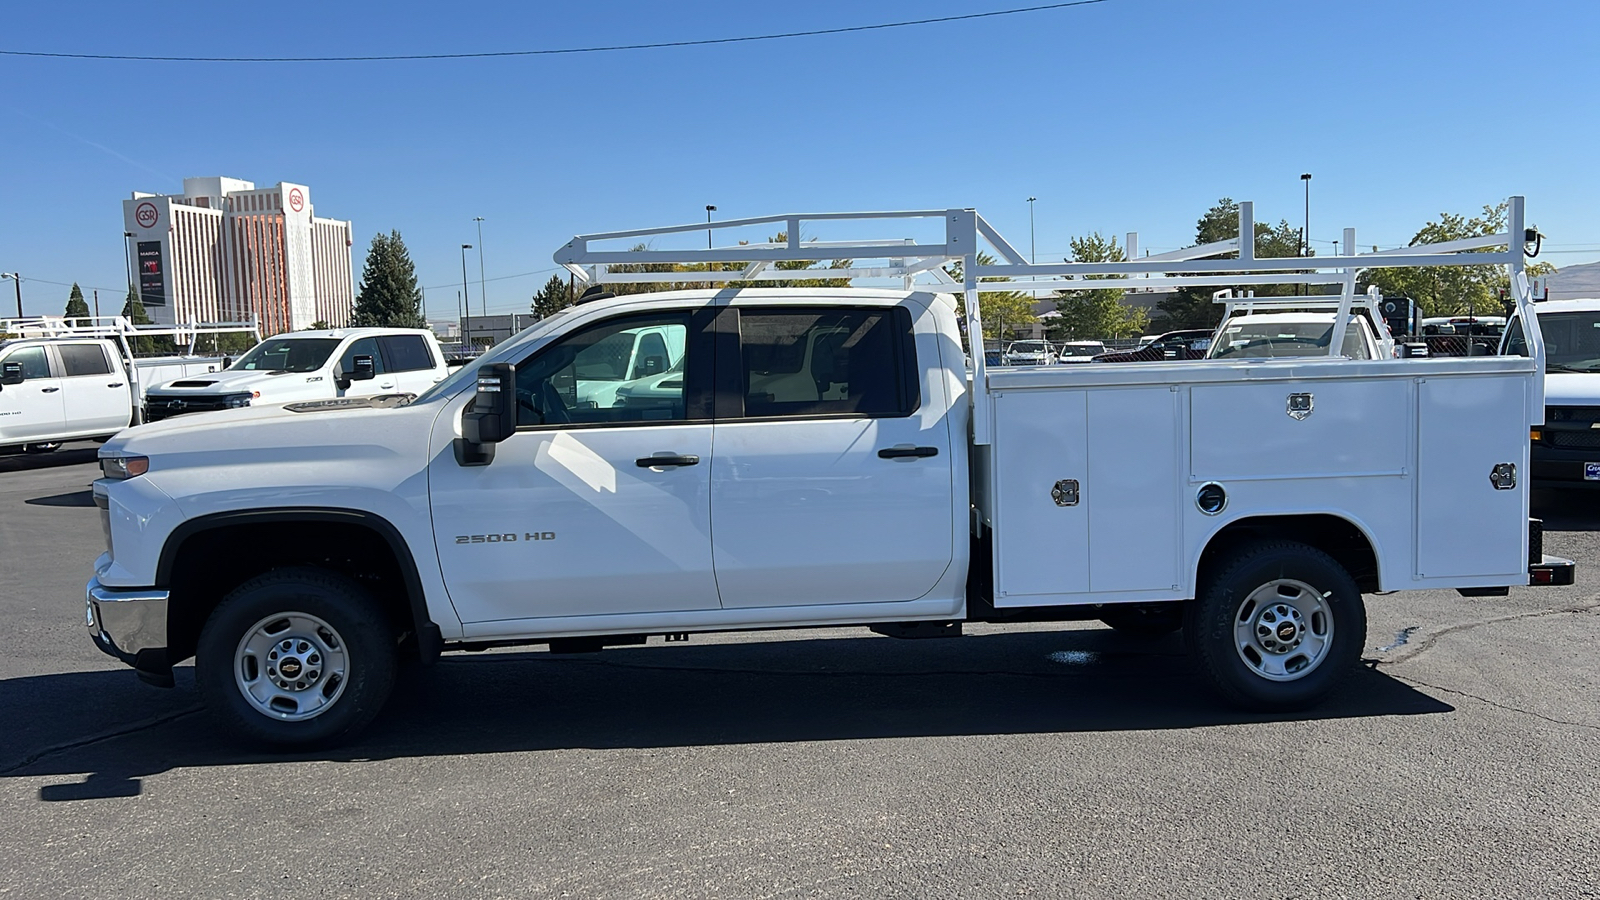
[(1572, 414), (1576, 440), (157, 407)]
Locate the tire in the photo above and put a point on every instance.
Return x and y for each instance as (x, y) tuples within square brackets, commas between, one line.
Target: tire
[(1145, 620), (50, 447), (1277, 626), (336, 638)]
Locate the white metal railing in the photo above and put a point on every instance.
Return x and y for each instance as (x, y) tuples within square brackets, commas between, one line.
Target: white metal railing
[(964, 229)]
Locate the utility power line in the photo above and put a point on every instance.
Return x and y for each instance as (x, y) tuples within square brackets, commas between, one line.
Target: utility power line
[(658, 45)]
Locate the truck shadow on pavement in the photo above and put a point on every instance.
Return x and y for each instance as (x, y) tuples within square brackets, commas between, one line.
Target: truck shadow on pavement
[(74, 455), (782, 691)]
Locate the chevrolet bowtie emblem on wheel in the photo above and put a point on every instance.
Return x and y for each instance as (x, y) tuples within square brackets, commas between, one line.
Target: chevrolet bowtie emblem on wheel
[(1300, 406)]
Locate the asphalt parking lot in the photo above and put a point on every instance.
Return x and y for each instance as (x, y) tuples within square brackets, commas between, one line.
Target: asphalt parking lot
[(1464, 761)]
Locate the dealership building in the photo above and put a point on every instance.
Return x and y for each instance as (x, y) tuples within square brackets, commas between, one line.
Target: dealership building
[(227, 251)]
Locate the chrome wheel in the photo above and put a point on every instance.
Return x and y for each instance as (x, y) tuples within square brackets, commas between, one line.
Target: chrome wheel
[(291, 666), (1283, 629)]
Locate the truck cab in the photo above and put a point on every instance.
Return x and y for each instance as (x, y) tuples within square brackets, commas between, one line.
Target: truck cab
[(309, 365)]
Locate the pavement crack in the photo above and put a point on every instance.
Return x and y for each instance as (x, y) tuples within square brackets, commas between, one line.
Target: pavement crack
[(1423, 646), (1494, 703), (124, 731)]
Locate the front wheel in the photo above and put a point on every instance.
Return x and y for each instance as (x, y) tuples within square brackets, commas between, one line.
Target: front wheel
[(1277, 626), (294, 658), (50, 447)]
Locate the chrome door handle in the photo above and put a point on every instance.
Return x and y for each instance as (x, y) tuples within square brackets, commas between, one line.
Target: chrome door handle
[(665, 460)]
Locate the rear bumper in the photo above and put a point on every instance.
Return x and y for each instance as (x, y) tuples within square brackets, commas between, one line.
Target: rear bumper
[(1551, 571), (130, 625)]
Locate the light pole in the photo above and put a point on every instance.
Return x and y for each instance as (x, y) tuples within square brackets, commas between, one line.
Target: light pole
[(466, 320), (483, 284), (1033, 256), (1033, 247), (1305, 244), (127, 257), (709, 210), (16, 278)]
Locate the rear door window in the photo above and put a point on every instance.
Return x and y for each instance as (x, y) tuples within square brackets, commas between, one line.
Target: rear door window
[(827, 362), (406, 353), (83, 359)]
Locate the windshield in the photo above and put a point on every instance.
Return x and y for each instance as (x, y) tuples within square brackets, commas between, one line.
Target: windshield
[(1244, 339), (1082, 349), (287, 355), (1571, 341), (1027, 347)]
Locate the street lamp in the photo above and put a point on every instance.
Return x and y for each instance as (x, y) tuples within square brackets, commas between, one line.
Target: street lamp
[(466, 320), (16, 279), (709, 210), (483, 283)]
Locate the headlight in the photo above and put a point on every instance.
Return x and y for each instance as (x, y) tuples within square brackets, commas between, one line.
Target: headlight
[(238, 400), (119, 468)]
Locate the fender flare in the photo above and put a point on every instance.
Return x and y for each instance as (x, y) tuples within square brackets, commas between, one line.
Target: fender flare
[(430, 642)]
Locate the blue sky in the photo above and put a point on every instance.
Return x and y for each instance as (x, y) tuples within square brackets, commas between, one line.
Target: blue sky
[(1130, 115)]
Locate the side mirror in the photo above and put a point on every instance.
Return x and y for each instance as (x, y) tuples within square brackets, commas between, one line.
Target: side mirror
[(492, 417), (362, 368), (11, 373)]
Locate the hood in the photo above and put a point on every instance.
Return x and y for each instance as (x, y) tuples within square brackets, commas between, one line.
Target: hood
[(1572, 388), (307, 425), (233, 381)]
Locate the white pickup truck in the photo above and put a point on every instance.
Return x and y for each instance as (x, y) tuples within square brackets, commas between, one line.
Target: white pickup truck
[(309, 365), (821, 457), (70, 387)]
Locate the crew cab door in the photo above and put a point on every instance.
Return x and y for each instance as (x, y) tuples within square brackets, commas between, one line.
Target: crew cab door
[(32, 410), (572, 517), (94, 389), (382, 382), (832, 478), (410, 360)]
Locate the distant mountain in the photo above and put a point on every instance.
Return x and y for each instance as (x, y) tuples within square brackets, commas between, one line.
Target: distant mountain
[(1576, 281)]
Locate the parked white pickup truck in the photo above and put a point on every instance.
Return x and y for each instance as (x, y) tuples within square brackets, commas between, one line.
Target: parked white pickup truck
[(1566, 447), (821, 459), (309, 365), (63, 383)]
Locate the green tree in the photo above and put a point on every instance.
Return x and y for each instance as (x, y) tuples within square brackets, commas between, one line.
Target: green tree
[(389, 295), (1097, 313), (555, 296), (1192, 307), (76, 307), (318, 325), (1001, 311), (1452, 290)]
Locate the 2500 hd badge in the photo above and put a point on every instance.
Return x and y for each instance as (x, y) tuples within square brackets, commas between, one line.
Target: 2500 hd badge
[(507, 538)]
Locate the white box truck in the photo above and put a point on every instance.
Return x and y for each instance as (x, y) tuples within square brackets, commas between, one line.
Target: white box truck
[(820, 457)]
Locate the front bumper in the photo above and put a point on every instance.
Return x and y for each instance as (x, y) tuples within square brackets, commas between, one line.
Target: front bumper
[(131, 625)]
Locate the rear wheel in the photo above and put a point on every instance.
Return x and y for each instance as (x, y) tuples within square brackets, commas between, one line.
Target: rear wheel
[(50, 447), (1277, 626), (294, 658)]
